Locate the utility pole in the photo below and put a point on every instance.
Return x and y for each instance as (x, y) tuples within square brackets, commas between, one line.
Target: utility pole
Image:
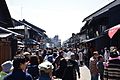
[(21, 12)]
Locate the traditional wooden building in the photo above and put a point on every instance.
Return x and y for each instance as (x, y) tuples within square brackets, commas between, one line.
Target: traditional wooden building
[(36, 33), (6, 36), (98, 24), (33, 35)]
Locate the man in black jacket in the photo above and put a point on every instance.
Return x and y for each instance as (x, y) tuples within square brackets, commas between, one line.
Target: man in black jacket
[(72, 67)]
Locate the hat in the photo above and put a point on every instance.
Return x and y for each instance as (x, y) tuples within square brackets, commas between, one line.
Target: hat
[(46, 65), (26, 53), (7, 66)]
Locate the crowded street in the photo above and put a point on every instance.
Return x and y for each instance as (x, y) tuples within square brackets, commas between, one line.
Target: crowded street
[(59, 40)]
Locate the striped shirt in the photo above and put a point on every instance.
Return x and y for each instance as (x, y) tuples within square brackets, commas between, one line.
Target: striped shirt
[(112, 72)]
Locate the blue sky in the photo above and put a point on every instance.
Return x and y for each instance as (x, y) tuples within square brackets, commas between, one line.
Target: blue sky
[(57, 17)]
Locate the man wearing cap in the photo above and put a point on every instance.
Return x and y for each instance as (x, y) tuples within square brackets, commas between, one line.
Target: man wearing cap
[(6, 68)]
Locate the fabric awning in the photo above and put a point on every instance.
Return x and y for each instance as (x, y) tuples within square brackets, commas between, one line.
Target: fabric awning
[(113, 30)]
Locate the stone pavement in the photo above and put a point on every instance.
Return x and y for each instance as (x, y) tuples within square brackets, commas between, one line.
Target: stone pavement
[(84, 73)]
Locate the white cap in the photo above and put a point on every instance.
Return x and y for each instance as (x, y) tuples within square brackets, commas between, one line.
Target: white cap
[(46, 64)]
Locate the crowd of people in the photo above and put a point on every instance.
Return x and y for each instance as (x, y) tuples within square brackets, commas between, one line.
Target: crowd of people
[(106, 65), (61, 64), (47, 64)]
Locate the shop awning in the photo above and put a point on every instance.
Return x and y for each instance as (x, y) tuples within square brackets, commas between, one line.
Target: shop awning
[(113, 30)]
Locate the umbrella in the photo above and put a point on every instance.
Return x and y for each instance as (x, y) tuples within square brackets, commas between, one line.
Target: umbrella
[(113, 30)]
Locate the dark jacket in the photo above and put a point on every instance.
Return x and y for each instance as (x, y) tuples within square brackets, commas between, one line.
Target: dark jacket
[(33, 70), (44, 76), (18, 74), (70, 71), (59, 72)]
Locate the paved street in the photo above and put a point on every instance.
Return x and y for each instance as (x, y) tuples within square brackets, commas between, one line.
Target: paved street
[(85, 73)]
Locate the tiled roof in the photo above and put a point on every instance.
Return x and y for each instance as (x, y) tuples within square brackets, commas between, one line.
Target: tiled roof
[(102, 10)]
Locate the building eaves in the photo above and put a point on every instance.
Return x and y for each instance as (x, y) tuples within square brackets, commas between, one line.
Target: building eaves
[(4, 35), (92, 39), (33, 26), (5, 17), (16, 23), (9, 31), (17, 27), (102, 10)]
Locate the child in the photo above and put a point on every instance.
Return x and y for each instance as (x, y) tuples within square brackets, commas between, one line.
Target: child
[(100, 66)]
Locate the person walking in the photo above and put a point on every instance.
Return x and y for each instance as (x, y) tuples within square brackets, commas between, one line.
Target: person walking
[(100, 66), (106, 54), (59, 72), (18, 73), (93, 66), (72, 67), (80, 61)]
